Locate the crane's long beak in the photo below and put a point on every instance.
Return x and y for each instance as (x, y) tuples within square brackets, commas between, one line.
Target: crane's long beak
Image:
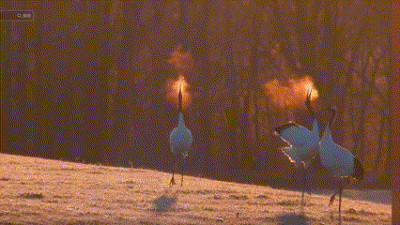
[(180, 98)]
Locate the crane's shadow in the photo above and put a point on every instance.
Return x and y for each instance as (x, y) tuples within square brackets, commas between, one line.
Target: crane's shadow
[(166, 201), (292, 219)]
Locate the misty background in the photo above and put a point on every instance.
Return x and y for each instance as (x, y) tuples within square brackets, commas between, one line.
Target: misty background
[(91, 81)]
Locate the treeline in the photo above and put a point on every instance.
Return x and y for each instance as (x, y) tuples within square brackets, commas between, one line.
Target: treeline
[(86, 81)]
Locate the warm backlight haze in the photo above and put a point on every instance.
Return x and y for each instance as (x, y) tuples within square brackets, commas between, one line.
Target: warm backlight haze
[(173, 86), (99, 82), (181, 60), (293, 93), (182, 63)]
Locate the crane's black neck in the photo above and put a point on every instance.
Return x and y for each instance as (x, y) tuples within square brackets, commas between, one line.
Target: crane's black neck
[(332, 117), (310, 110), (308, 105), (180, 99), (358, 172)]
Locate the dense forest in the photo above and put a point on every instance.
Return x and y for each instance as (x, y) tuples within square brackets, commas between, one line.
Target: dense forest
[(94, 81)]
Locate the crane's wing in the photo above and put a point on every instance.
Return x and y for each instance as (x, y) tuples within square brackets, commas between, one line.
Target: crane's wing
[(294, 134), (292, 153), (172, 136)]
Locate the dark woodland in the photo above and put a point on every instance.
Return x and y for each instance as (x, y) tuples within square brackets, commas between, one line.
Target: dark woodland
[(89, 81)]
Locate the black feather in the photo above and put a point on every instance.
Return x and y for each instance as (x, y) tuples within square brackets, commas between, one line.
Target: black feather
[(358, 170), (180, 98)]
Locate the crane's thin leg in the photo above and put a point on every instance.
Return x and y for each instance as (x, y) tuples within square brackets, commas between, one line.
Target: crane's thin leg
[(340, 206), (341, 187), (307, 181), (182, 170), (172, 182), (304, 184)]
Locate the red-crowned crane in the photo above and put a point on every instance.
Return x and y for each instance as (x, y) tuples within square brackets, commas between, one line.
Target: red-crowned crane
[(339, 161), (304, 143), (180, 140)]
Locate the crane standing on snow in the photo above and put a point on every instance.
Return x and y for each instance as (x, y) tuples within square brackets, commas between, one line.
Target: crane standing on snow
[(180, 141), (304, 143), (339, 161)]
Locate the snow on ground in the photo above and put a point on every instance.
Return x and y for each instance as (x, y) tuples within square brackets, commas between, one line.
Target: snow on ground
[(41, 191)]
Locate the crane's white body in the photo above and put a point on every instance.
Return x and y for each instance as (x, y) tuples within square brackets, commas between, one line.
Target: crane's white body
[(334, 157), (304, 143), (180, 139), (339, 161)]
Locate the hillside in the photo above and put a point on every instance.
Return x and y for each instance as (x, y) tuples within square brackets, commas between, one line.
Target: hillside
[(40, 191)]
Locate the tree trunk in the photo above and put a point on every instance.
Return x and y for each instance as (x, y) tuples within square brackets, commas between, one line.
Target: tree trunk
[(208, 163), (20, 93), (232, 108), (126, 99), (7, 140)]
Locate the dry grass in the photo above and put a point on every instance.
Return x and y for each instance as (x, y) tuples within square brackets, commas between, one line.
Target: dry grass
[(39, 191)]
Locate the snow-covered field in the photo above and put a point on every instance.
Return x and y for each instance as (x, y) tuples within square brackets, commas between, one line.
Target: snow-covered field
[(40, 191)]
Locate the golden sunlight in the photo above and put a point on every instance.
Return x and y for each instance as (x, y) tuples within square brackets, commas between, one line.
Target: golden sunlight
[(173, 86), (294, 93), (182, 63)]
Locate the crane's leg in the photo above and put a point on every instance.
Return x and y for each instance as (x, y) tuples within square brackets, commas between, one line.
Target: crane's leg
[(305, 186), (340, 206), (182, 169), (339, 191), (172, 182), (304, 183)]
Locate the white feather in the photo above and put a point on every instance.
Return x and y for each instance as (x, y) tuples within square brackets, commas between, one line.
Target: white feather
[(304, 143), (293, 154), (334, 157), (180, 139)]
